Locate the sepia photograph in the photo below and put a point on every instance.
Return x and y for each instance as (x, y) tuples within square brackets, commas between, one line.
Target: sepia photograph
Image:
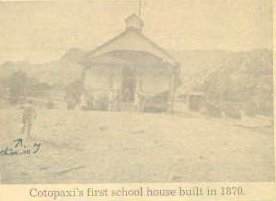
[(136, 91)]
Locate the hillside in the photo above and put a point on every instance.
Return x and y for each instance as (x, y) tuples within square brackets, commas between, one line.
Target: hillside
[(198, 65), (59, 73), (229, 79)]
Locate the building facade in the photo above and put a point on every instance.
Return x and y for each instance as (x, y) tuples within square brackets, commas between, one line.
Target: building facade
[(130, 72)]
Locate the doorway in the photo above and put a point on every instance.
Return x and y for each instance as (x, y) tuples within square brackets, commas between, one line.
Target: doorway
[(128, 85)]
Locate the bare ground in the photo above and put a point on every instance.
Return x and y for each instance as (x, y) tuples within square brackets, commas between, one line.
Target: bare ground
[(89, 147)]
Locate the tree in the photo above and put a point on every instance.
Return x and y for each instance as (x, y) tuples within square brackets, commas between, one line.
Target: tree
[(73, 93), (18, 82)]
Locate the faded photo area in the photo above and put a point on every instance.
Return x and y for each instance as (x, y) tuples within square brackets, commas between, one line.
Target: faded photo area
[(136, 91)]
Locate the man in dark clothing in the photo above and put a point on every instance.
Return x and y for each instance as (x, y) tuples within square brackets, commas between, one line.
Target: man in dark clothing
[(29, 114)]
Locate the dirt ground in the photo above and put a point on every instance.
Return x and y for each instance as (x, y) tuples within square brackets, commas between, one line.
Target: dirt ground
[(88, 147)]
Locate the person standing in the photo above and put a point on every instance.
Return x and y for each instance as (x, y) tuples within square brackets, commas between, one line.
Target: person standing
[(29, 114)]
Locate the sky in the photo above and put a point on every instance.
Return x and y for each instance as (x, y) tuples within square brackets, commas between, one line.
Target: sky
[(44, 30)]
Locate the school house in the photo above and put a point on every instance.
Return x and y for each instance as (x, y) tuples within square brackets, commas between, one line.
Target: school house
[(130, 73)]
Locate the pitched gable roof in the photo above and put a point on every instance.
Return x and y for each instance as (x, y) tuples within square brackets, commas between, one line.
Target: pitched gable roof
[(132, 40)]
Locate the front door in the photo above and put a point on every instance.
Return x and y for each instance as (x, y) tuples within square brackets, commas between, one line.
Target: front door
[(128, 88)]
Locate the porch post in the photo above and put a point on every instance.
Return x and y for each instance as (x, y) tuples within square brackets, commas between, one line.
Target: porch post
[(138, 99), (172, 89), (171, 94), (110, 93)]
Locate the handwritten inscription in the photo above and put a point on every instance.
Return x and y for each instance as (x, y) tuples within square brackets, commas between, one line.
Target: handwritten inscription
[(18, 147)]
